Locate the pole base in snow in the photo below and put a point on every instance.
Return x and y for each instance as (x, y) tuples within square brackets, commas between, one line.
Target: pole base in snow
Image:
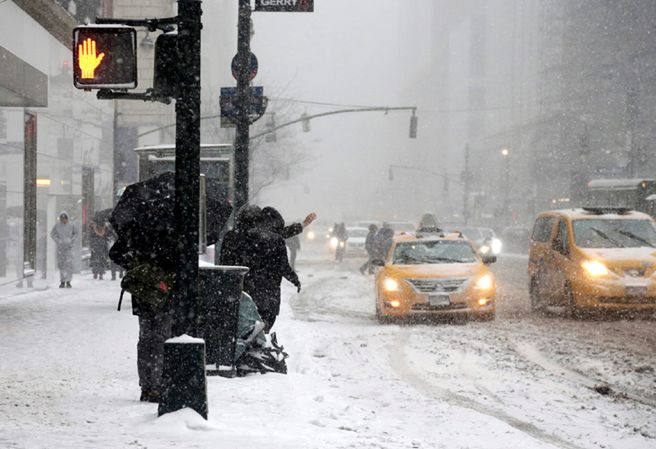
[(185, 384)]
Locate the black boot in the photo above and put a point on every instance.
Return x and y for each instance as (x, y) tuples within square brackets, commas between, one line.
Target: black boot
[(62, 285), (68, 285), (149, 396)]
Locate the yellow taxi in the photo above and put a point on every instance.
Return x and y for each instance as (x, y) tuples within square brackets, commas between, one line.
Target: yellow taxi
[(434, 274), (593, 259)]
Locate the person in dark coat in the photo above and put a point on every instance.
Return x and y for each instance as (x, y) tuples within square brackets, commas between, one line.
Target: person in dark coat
[(64, 234), (255, 244), (369, 247), (98, 245), (342, 236), (383, 242)]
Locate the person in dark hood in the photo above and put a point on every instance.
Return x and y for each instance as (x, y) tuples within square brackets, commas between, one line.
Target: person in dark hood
[(278, 223), (233, 240), (369, 247), (257, 244)]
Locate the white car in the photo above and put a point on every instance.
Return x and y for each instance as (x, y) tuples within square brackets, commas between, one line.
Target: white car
[(356, 239)]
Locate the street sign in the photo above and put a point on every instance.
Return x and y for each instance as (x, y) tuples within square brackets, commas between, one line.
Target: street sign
[(105, 57), (284, 5), (228, 104), (252, 66)]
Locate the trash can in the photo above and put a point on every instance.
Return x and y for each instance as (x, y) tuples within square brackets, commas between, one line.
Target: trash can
[(219, 291)]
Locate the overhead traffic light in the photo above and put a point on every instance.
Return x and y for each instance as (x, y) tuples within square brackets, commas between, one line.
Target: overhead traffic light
[(105, 57)]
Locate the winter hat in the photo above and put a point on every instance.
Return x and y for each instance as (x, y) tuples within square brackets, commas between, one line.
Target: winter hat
[(63, 215)]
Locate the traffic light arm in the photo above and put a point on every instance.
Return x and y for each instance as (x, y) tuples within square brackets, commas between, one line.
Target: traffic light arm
[(340, 111), (165, 24), (307, 117), (423, 170)]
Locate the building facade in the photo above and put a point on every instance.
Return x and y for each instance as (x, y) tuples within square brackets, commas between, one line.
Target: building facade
[(56, 143)]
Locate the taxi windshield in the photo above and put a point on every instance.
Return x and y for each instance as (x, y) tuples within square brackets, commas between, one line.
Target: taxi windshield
[(433, 252), (614, 233)]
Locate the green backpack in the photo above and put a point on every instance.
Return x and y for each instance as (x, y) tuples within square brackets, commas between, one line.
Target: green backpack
[(148, 284)]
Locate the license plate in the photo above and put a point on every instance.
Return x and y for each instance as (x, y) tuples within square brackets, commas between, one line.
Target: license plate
[(636, 291), (439, 300)]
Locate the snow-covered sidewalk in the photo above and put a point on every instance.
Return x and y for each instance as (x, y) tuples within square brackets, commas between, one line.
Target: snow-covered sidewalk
[(68, 380)]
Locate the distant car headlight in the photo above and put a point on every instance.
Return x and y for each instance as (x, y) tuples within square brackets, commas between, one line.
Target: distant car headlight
[(334, 242), (496, 246), (595, 268), (484, 282), (391, 285), (311, 235), (342, 244)]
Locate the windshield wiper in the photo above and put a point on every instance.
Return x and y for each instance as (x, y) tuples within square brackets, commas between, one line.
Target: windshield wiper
[(637, 238), (443, 259), (604, 236)]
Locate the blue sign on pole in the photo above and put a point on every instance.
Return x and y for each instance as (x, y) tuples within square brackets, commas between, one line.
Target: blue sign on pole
[(228, 104)]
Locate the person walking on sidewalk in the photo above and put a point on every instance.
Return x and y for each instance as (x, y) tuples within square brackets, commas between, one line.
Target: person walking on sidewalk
[(98, 244), (64, 234)]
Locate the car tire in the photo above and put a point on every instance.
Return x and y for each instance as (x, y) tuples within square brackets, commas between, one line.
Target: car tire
[(534, 295), (571, 308)]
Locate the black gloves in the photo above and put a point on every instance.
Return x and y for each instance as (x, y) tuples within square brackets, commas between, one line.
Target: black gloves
[(298, 286)]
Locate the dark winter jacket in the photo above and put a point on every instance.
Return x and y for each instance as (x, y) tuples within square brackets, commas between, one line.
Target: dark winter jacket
[(265, 254), (235, 239), (382, 243), (369, 245)]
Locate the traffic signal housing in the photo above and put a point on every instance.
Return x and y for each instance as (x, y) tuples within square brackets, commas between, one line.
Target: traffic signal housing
[(105, 57)]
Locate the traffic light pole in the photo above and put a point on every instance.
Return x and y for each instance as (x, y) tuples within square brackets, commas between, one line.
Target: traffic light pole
[(187, 167), (242, 137)]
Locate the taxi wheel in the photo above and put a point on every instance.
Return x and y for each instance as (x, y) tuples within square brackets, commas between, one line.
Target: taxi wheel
[(570, 303), (533, 291)]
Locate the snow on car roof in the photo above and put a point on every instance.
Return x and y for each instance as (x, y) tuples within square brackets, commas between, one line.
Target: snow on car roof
[(412, 237), (577, 214)]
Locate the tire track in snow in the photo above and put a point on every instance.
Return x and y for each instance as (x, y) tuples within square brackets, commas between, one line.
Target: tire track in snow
[(403, 370), (531, 353)]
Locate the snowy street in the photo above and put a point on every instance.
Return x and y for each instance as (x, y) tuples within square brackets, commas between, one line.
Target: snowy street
[(68, 376)]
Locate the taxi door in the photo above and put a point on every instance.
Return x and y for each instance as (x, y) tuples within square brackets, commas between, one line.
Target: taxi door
[(540, 257), (560, 259)]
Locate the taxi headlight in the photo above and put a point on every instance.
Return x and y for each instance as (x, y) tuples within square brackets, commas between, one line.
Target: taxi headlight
[(484, 249), (391, 285), (484, 282), (334, 242), (594, 268), (311, 235)]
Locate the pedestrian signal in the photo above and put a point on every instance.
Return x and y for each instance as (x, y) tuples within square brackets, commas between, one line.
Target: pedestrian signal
[(105, 57)]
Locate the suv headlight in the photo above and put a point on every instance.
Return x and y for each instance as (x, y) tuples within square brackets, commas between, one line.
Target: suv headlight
[(484, 282), (496, 246), (391, 285), (594, 268)]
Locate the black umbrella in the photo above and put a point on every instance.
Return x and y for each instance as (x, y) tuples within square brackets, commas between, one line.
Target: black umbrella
[(144, 222)]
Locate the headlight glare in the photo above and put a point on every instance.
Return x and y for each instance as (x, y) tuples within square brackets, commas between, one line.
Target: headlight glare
[(391, 285), (485, 282), (594, 268)]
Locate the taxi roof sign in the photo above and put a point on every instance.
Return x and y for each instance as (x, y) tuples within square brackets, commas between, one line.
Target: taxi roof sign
[(105, 57)]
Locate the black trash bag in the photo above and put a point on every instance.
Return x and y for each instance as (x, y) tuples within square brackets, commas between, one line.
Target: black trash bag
[(144, 222), (269, 358)]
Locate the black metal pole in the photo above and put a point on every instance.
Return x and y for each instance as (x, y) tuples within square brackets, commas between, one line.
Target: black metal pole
[(243, 101), (187, 167)]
